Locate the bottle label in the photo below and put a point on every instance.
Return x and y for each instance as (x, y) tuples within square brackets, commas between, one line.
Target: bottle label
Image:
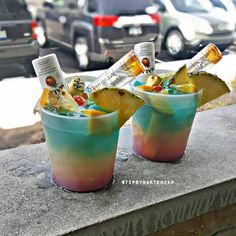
[(118, 75), (146, 55), (49, 72), (208, 56)]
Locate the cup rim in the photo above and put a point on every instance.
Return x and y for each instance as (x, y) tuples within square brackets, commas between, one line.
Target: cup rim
[(77, 117), (165, 95), (86, 78)]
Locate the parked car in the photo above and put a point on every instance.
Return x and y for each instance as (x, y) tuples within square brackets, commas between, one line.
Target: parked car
[(99, 30), (189, 25), (18, 40)]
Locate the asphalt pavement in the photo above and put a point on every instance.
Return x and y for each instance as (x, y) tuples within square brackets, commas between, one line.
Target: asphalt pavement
[(68, 63), (66, 59)]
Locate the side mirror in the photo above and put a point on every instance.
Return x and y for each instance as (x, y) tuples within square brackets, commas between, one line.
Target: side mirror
[(48, 4)]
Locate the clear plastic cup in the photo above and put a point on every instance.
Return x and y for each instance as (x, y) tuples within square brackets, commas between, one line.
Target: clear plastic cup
[(81, 150), (162, 126)]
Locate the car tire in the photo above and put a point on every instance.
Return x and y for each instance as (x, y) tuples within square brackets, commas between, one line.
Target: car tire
[(81, 53), (174, 43)]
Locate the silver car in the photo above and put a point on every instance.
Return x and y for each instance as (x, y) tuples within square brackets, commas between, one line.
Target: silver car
[(189, 25)]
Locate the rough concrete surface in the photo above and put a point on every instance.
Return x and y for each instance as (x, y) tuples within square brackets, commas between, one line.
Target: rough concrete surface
[(204, 180), (220, 222)]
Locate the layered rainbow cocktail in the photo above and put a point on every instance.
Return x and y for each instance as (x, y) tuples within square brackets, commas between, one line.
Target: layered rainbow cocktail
[(162, 126), (81, 149)]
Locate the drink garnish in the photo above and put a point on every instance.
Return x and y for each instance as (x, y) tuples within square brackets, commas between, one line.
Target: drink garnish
[(116, 99)]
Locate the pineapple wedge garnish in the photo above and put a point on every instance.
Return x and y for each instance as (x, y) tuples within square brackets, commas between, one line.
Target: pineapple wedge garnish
[(116, 99), (212, 86)]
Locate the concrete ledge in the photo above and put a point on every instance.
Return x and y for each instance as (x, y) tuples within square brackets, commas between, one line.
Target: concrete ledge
[(204, 180)]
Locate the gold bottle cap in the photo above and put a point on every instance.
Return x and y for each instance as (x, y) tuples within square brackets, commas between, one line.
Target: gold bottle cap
[(213, 54)]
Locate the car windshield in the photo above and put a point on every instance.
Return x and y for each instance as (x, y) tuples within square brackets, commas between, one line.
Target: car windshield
[(191, 6), (12, 9), (218, 3), (122, 7), (234, 2)]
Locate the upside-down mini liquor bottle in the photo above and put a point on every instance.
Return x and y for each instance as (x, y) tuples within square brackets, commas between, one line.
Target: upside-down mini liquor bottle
[(206, 58), (119, 74)]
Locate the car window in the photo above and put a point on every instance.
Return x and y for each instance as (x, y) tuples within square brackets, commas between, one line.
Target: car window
[(159, 3), (13, 9), (190, 6), (234, 2), (72, 4), (122, 7), (218, 3), (59, 3), (92, 6)]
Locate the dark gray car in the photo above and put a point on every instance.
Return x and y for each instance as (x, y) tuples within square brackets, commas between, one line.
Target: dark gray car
[(99, 30), (18, 42)]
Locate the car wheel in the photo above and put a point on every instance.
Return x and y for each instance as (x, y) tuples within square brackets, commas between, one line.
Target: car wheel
[(81, 53), (175, 44)]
